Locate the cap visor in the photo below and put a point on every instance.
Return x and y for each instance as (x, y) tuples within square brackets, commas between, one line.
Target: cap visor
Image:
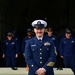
[(68, 33)]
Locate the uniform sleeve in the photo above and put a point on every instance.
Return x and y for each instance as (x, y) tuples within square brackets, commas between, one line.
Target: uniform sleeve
[(29, 58), (51, 61), (56, 44), (61, 48), (17, 47)]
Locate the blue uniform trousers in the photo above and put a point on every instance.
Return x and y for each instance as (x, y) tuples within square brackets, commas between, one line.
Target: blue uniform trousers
[(69, 62), (10, 61)]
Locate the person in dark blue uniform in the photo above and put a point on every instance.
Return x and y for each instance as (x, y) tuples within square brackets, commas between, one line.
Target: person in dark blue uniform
[(67, 50), (18, 40), (39, 51), (29, 36), (53, 38), (14, 33), (15, 37), (10, 51)]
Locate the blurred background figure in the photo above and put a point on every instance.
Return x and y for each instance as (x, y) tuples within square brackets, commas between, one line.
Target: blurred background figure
[(15, 37), (29, 36), (14, 34), (18, 40), (10, 51), (67, 50), (53, 38)]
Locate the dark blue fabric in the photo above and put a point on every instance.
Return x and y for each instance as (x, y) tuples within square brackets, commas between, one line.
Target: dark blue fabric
[(55, 40), (67, 50), (32, 52), (24, 43), (67, 47), (10, 49), (69, 62)]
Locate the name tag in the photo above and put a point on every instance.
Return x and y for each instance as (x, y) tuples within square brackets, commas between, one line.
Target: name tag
[(64, 42), (6, 43), (33, 45), (72, 41)]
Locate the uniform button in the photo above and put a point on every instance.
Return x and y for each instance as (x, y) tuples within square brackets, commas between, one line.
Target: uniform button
[(40, 53), (33, 49), (40, 57), (41, 62), (47, 48), (32, 65), (40, 49)]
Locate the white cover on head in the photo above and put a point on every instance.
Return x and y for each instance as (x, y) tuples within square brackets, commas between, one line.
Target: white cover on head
[(42, 22)]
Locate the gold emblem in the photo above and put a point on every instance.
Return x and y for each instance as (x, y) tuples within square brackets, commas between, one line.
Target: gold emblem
[(38, 22)]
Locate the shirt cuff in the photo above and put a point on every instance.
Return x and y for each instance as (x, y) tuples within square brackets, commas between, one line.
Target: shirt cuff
[(44, 70)]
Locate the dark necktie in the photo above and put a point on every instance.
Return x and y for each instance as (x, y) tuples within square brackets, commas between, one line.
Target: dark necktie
[(40, 40)]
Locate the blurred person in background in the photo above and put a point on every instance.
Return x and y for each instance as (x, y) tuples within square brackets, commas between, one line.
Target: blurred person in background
[(67, 50), (29, 36), (10, 51)]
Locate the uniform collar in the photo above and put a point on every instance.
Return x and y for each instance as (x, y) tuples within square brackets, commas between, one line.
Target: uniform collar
[(40, 38), (68, 38), (50, 36)]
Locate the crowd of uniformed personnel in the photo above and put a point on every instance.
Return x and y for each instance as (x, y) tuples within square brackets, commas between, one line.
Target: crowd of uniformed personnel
[(64, 49)]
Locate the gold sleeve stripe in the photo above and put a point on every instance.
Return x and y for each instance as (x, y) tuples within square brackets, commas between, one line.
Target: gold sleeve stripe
[(50, 64)]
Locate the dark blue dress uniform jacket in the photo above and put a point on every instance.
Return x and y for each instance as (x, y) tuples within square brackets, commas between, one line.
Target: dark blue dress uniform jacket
[(10, 48), (18, 41), (40, 54), (67, 47), (24, 43), (54, 39)]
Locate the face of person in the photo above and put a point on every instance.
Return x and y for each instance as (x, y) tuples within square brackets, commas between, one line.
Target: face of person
[(39, 32), (9, 37), (50, 33), (29, 33), (68, 35)]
